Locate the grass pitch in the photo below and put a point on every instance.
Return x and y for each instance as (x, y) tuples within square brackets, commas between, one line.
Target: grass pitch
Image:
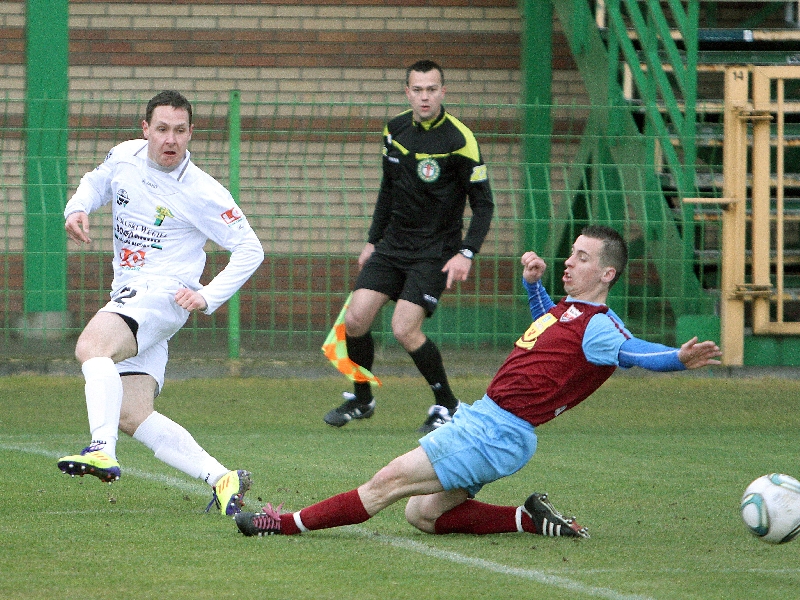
[(654, 466)]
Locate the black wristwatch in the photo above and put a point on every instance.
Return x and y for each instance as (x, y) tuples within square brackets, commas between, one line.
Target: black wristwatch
[(466, 252)]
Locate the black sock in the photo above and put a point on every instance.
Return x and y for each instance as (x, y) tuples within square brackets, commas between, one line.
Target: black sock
[(361, 351), (429, 362)]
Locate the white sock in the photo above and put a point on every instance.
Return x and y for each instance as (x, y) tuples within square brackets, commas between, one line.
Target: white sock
[(175, 446), (103, 402)]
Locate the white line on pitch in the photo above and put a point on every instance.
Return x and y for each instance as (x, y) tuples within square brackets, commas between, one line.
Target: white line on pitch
[(398, 542), (181, 484), (531, 574)]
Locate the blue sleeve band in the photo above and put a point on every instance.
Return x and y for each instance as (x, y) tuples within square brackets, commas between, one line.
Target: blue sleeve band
[(539, 300), (647, 355)]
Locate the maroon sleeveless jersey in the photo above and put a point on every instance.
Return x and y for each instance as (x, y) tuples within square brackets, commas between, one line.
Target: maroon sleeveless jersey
[(547, 372)]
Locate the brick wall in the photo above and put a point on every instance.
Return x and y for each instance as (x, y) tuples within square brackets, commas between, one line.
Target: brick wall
[(321, 50), (272, 51), (275, 52)]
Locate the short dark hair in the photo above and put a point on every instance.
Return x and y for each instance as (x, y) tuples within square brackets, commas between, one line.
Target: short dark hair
[(424, 66), (168, 98), (615, 250)]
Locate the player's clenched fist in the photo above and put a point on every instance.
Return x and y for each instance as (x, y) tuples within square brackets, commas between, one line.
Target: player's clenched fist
[(190, 300), (533, 267)]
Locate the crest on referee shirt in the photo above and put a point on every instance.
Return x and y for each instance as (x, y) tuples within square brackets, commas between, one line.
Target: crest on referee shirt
[(428, 170)]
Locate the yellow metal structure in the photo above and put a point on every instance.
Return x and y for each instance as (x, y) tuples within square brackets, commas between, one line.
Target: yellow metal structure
[(755, 111)]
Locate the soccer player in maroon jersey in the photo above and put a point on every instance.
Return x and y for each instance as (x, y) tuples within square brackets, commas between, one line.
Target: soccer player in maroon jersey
[(569, 350)]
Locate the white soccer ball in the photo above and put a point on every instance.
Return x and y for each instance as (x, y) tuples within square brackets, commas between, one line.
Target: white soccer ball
[(771, 508)]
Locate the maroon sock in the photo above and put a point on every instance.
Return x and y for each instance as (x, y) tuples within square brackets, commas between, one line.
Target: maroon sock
[(342, 509), (476, 517)]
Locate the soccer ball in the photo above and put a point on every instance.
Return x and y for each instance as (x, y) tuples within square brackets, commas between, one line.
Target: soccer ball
[(770, 508)]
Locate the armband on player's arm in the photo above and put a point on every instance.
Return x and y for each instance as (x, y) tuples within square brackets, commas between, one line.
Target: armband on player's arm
[(647, 355), (539, 300)]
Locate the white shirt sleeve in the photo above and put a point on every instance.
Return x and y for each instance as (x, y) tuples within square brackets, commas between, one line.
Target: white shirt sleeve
[(246, 256), (94, 189), (221, 221)]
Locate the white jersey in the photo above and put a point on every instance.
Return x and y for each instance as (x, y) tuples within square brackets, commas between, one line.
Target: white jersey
[(162, 220)]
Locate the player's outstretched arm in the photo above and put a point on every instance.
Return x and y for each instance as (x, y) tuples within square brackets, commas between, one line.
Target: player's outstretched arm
[(694, 354)]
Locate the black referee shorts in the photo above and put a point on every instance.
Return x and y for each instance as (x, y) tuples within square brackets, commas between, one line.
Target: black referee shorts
[(420, 282)]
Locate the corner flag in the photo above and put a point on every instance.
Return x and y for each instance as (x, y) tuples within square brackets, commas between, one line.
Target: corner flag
[(335, 349)]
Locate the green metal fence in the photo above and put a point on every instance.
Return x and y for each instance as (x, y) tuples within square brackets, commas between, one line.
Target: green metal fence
[(307, 175)]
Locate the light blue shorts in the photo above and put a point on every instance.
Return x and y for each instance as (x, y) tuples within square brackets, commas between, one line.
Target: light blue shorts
[(481, 444)]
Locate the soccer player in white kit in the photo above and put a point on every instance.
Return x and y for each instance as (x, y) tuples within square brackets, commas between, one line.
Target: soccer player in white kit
[(164, 209)]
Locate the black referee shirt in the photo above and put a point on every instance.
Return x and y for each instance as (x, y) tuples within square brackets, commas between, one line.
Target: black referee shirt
[(429, 171)]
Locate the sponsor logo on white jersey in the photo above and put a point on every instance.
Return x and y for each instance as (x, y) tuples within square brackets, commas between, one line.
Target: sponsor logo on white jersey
[(162, 213), (122, 198), (132, 260), (232, 216)]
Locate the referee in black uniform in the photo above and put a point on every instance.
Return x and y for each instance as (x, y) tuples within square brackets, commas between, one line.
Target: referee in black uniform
[(415, 250)]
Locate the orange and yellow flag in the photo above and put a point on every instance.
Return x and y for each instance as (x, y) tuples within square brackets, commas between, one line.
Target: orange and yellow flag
[(335, 349)]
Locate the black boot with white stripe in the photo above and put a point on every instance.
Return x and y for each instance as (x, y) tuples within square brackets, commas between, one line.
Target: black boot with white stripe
[(549, 521)]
